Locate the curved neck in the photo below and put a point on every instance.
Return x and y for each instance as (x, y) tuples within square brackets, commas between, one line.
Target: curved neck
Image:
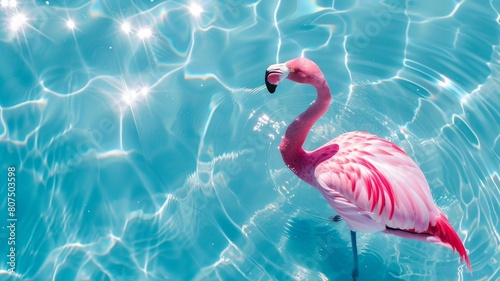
[(296, 133)]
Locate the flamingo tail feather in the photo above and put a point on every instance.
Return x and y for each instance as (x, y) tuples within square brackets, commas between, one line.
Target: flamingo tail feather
[(445, 232), (441, 234)]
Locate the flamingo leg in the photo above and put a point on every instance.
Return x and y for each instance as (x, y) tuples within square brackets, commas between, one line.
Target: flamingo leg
[(355, 271)]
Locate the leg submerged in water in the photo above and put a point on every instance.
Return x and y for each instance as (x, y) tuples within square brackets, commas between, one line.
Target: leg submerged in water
[(355, 272)]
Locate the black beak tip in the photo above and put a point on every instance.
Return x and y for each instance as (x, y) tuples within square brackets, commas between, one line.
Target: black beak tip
[(270, 87)]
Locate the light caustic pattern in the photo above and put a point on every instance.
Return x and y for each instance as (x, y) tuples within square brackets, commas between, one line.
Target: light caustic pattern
[(146, 145)]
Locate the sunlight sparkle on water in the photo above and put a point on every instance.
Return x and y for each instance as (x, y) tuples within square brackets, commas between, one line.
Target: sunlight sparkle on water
[(144, 91), (9, 3), (18, 21), (130, 97), (144, 33), (195, 10), (70, 24), (126, 27)]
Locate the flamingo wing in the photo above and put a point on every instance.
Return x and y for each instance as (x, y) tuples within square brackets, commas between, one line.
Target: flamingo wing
[(373, 184)]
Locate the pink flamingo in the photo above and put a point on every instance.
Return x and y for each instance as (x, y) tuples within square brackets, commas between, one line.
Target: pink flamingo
[(371, 183)]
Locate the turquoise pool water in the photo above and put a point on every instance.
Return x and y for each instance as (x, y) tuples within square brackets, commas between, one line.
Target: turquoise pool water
[(143, 143)]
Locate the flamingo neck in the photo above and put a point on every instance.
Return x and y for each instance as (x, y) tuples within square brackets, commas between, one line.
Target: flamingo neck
[(296, 133)]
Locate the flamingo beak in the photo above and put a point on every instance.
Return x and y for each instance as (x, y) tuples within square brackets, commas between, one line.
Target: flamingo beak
[(275, 74)]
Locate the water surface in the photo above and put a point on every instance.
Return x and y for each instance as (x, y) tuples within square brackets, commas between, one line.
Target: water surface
[(145, 143)]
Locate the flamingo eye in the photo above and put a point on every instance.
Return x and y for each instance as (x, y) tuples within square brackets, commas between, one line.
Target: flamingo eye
[(292, 69)]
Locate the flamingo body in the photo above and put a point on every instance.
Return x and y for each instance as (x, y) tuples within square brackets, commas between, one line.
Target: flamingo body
[(372, 183)]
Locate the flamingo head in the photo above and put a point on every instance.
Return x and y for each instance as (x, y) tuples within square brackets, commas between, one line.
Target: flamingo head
[(300, 70)]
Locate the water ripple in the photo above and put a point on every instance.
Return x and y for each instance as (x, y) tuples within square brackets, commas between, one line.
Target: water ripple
[(146, 145)]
